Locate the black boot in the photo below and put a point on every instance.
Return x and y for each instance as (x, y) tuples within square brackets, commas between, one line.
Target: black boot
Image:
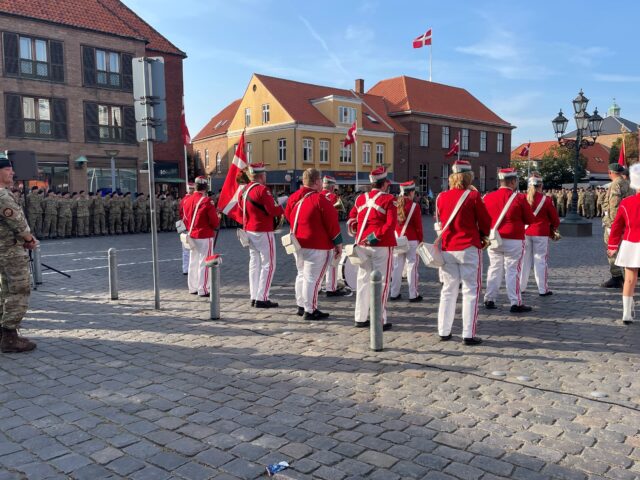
[(613, 282)]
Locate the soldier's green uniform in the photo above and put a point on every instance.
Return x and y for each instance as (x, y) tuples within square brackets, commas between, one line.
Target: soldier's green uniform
[(65, 216), (602, 193), (74, 212), (569, 200), (50, 206), (618, 189), (128, 222), (34, 211), (140, 212), (581, 202), (166, 214), (115, 215), (99, 225), (589, 204), (82, 215), (159, 208)]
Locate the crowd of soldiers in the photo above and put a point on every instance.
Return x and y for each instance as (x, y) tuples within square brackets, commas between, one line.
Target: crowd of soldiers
[(590, 201)]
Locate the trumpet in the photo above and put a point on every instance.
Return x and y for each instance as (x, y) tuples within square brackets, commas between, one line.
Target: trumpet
[(339, 205)]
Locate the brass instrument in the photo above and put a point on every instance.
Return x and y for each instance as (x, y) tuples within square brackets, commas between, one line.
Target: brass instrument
[(339, 205)]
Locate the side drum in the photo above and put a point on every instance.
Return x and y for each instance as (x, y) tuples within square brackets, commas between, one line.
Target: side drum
[(347, 272)]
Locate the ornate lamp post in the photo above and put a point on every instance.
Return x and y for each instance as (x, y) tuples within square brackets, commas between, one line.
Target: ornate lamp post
[(588, 129)]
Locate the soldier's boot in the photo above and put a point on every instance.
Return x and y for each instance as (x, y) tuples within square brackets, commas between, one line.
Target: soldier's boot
[(613, 282), (13, 343)]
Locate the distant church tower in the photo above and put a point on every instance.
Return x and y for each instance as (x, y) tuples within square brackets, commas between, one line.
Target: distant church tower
[(614, 110)]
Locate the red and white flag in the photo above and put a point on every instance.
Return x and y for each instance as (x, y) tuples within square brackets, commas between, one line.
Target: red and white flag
[(622, 160), (454, 148), (228, 199), (186, 137), (422, 40), (351, 135), (525, 150)]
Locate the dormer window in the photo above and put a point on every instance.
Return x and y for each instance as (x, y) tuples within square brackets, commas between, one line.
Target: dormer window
[(372, 118), (346, 115)]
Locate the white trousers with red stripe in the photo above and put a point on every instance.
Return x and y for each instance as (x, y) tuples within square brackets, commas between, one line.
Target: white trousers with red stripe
[(536, 251), (413, 262), (262, 264), (186, 257), (376, 258), (311, 265), (506, 261), (198, 275), (331, 278), (464, 266)]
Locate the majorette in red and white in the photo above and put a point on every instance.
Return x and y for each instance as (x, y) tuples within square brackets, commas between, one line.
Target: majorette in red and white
[(375, 238), (461, 247), (537, 237), (186, 254), (410, 227), (506, 260), (258, 209), (331, 277), (201, 220)]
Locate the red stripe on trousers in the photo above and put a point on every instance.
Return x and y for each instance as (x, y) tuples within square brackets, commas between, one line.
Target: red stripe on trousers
[(518, 270), (267, 285), (385, 290), (314, 303), (479, 280), (546, 268)]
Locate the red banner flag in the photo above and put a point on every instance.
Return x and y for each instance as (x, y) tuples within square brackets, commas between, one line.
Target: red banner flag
[(525, 150), (622, 158), (351, 135), (186, 137), (454, 148), (228, 199), (422, 40)]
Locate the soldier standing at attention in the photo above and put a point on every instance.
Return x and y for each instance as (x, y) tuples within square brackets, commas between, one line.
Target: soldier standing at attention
[(50, 207), (64, 216), (589, 203), (82, 215), (618, 189), (165, 214), (15, 238), (99, 225), (128, 223), (140, 210), (34, 210), (90, 220)]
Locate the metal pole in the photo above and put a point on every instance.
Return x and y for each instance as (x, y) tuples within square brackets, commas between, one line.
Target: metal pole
[(355, 156), (574, 199), (37, 266), (113, 273), (214, 291), (186, 171), (113, 174), (375, 312)]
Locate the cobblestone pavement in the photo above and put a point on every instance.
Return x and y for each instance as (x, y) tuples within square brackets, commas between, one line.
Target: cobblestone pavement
[(119, 390)]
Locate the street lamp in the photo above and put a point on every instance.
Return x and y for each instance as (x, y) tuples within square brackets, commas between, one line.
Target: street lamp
[(573, 225), (113, 154)]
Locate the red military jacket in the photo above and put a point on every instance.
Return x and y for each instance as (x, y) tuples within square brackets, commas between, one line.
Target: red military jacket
[(546, 219), (414, 228), (626, 225), (332, 197), (518, 215), (261, 208), (181, 206), (470, 224), (382, 220), (206, 220), (318, 227)]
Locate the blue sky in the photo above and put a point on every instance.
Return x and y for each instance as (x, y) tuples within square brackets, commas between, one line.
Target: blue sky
[(524, 60)]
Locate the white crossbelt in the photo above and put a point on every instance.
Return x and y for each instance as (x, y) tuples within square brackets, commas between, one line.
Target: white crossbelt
[(371, 203)]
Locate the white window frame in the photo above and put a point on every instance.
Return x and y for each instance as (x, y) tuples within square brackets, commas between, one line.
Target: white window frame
[(249, 152), (346, 115), (206, 158), (483, 141), (247, 117), (266, 114), (424, 134), (307, 150), (500, 142), (218, 163), (282, 150), (482, 178), (423, 178), (444, 185), (464, 139), (366, 153), (346, 154), (446, 137), (379, 153), (325, 148)]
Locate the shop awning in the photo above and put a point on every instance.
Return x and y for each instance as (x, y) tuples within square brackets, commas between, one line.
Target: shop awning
[(169, 180)]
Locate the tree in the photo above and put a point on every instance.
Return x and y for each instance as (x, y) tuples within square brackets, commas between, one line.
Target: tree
[(557, 166), (630, 148)]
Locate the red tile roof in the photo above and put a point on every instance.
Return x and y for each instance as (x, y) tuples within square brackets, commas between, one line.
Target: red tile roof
[(597, 155), (106, 16), (412, 94), (219, 124)]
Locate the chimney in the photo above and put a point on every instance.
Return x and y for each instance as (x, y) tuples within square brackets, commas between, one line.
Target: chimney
[(359, 85)]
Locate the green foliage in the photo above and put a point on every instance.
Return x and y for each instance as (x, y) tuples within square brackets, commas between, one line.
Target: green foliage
[(557, 166), (630, 148)]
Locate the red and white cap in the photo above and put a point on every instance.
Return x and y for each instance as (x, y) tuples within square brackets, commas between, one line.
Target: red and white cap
[(191, 185), (201, 180), (257, 168), (328, 180), (460, 166), (505, 173), (535, 180), (379, 173), (407, 186)]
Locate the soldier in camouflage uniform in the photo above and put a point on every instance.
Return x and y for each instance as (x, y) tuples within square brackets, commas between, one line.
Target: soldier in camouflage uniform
[(15, 288), (602, 193), (34, 210), (167, 213), (50, 207), (128, 222), (65, 217), (581, 202), (618, 189), (74, 211), (115, 214), (82, 215), (589, 203), (99, 219), (159, 208), (140, 211)]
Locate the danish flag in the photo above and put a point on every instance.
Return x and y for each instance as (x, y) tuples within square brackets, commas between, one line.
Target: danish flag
[(228, 199), (422, 40), (351, 135), (525, 150), (454, 148)]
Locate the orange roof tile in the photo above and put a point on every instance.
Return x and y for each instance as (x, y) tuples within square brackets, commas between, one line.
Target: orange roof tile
[(412, 94), (106, 16), (597, 155), (219, 124)]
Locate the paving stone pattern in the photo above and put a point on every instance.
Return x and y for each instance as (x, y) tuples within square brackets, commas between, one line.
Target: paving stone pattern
[(119, 390)]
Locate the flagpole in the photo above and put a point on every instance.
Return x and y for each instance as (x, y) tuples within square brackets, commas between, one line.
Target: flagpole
[(459, 146), (529, 160), (186, 170), (430, 55), (355, 156)]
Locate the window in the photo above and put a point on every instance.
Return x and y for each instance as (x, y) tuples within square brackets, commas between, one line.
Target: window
[(379, 153), (282, 150), (206, 158), (107, 69), (465, 140), (247, 117), (445, 137), (500, 145), (366, 153), (307, 150), (345, 153), (218, 163), (444, 184), (346, 115), (35, 117), (483, 178), (31, 57), (372, 119), (324, 151), (483, 141), (109, 123), (424, 134), (249, 148), (265, 113), (423, 178)]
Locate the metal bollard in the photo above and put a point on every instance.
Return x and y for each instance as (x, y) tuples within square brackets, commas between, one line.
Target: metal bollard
[(113, 273), (213, 264), (375, 311), (37, 266)]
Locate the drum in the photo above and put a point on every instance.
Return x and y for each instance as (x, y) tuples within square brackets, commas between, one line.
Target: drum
[(347, 272)]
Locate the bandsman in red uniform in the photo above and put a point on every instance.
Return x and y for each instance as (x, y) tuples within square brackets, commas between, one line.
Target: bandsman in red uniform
[(185, 253), (537, 237), (374, 218), (506, 259), (259, 210), (410, 227), (331, 278), (461, 244), (314, 223)]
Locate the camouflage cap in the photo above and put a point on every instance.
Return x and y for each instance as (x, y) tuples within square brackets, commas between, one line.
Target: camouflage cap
[(616, 168)]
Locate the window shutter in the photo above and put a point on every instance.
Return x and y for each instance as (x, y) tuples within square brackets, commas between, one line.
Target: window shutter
[(88, 67), (57, 61), (10, 41), (127, 72), (13, 108), (59, 108), (130, 125), (91, 131)]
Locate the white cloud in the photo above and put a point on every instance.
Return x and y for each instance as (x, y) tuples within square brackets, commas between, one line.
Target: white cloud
[(617, 78), (334, 58), (359, 34)]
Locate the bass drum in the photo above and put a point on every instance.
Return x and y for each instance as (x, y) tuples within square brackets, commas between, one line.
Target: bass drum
[(347, 272)]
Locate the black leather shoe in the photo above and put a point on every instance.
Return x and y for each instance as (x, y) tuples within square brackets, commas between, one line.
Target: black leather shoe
[(445, 338), (546, 294), (266, 304), (316, 315), (490, 305), (416, 299), (520, 309), (300, 311), (362, 324), (205, 295), (627, 322), (193, 293), (472, 341), (253, 303), (387, 326), (613, 282), (337, 293), (397, 297)]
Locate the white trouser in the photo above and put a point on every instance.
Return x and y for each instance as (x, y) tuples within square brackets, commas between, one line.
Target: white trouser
[(412, 262), (464, 266), (505, 260), (262, 264), (311, 265), (198, 279), (331, 278), (376, 258), (536, 250), (185, 259)]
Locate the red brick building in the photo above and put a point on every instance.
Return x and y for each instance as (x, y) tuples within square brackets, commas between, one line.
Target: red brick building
[(67, 92)]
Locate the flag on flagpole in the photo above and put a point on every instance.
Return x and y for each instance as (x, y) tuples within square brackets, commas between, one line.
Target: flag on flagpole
[(351, 135), (422, 40), (228, 199), (622, 157), (455, 148), (525, 150), (186, 137)]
